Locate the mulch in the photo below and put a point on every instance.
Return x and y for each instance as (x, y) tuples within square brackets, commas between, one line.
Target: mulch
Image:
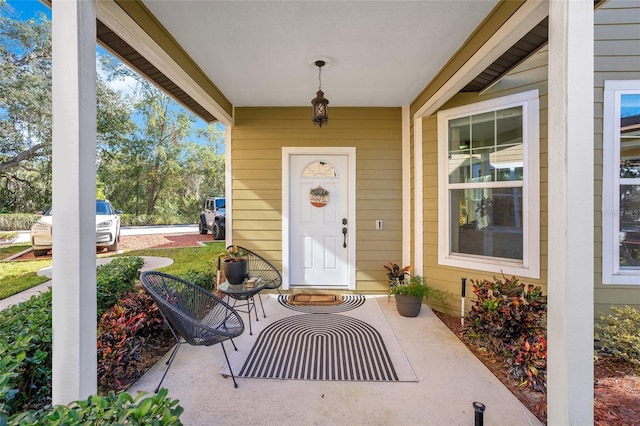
[(616, 387)]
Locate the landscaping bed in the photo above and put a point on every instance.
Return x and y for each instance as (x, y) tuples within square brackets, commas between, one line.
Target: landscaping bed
[(616, 387)]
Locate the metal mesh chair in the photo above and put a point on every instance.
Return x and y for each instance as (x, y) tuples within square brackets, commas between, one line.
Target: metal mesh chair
[(193, 314), (259, 267)]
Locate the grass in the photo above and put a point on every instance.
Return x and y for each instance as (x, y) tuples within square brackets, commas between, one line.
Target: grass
[(10, 250), (185, 258), (19, 276)]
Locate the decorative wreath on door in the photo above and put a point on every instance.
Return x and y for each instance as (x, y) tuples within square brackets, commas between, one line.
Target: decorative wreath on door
[(318, 196)]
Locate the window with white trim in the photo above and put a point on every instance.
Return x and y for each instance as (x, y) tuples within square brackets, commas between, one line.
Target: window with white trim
[(488, 198), (621, 183)]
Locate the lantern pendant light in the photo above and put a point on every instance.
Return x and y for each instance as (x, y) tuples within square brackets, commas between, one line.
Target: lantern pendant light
[(319, 103)]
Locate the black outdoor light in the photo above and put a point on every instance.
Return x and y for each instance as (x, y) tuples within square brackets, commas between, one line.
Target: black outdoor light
[(319, 103)]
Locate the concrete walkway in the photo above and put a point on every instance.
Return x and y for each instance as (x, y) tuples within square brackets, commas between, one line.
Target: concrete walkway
[(150, 263), (450, 379)]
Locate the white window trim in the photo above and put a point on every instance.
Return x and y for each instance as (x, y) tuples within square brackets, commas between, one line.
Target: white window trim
[(530, 265), (611, 273)]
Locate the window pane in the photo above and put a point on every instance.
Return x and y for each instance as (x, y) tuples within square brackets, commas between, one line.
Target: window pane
[(487, 222), (319, 169), (629, 226), (459, 167), (509, 126), (486, 147), (481, 169), (630, 135), (508, 161), (483, 130), (459, 134)]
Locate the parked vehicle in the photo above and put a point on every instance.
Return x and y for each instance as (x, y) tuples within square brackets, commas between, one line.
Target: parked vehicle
[(107, 229), (212, 217)]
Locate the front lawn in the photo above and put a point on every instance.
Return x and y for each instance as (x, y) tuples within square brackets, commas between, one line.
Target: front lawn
[(19, 276), (199, 259)]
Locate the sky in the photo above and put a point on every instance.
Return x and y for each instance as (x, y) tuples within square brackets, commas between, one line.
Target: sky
[(27, 9)]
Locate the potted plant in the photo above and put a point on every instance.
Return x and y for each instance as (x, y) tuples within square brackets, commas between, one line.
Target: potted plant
[(409, 295), (396, 274), (234, 265)]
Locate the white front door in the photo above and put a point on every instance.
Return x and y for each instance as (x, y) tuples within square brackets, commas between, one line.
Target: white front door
[(319, 235)]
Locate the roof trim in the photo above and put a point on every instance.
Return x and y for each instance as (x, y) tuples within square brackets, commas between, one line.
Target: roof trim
[(497, 33), (197, 93), (142, 17), (495, 20)]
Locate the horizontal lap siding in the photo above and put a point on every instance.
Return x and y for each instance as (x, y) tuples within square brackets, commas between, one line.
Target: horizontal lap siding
[(532, 74), (617, 57), (258, 137)]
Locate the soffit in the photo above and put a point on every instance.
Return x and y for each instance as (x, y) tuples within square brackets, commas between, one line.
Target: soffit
[(382, 53)]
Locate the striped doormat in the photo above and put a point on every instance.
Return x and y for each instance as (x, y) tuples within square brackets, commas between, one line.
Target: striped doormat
[(356, 345)]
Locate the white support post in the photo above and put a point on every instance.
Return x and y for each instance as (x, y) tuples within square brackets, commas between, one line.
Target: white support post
[(418, 195), (571, 214), (406, 186), (74, 192)]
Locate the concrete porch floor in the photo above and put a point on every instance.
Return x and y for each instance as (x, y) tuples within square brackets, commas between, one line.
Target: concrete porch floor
[(450, 380)]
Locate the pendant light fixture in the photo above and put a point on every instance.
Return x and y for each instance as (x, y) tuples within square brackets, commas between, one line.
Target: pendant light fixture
[(319, 103)]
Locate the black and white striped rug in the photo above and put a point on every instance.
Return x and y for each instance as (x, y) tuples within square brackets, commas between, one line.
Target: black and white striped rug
[(355, 345), (349, 302), (320, 347)]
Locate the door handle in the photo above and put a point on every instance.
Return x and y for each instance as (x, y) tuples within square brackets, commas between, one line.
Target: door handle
[(344, 236)]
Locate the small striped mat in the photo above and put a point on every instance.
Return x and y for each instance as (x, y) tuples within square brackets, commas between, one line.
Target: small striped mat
[(320, 347), (349, 302)]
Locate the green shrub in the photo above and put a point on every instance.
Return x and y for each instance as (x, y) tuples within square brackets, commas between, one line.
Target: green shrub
[(123, 331), (511, 321), (111, 409), (619, 333), (115, 279), (17, 222), (25, 355), (204, 279)]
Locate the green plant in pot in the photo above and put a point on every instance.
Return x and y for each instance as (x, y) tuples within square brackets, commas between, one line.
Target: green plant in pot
[(410, 293), (234, 265)]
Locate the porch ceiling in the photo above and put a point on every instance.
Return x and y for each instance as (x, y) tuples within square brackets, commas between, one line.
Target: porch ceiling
[(381, 53)]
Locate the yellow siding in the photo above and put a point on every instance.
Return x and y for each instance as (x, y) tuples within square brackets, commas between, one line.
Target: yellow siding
[(258, 137), (617, 57), (529, 75)]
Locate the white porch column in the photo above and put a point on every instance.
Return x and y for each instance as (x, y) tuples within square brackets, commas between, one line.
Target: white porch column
[(571, 234), (74, 192)]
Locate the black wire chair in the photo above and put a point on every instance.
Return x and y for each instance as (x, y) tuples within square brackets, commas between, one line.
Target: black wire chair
[(259, 267), (193, 314)]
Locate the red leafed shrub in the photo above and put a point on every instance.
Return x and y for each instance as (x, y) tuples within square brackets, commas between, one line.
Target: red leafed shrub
[(527, 360), (510, 320), (125, 333)]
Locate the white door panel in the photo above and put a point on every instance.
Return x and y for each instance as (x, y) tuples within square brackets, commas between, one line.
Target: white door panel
[(319, 257)]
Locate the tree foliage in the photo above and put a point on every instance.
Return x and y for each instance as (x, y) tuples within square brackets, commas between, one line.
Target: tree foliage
[(147, 161), (25, 110)]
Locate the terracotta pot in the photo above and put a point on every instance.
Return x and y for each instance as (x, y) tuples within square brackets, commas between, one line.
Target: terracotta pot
[(408, 306), (236, 272)]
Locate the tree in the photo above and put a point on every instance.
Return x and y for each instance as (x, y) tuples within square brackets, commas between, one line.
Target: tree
[(158, 169), (25, 110), (146, 160)]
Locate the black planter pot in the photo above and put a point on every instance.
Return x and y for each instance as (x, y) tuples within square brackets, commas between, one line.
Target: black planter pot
[(236, 272), (408, 306)]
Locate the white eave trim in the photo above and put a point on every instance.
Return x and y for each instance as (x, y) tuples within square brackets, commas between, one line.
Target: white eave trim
[(122, 24), (525, 18)]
